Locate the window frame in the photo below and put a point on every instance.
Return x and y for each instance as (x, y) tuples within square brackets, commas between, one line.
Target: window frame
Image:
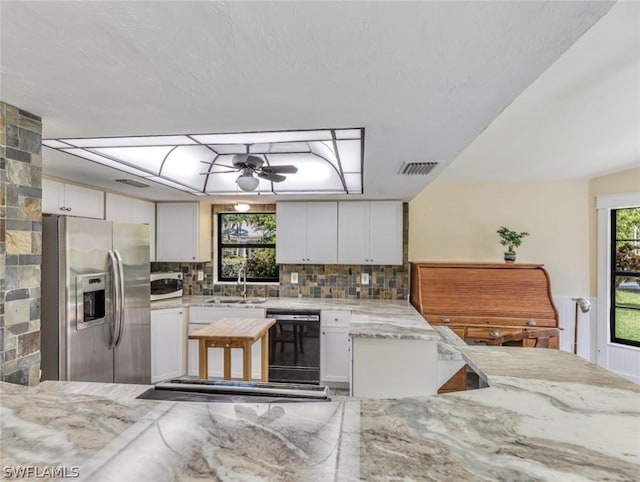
[(613, 273), (221, 246)]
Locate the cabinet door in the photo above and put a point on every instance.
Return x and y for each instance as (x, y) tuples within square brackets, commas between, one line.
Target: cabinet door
[(353, 232), (385, 232), (52, 197), (177, 231), (167, 344), (71, 200), (290, 233), (123, 209), (334, 356), (80, 201), (322, 233)]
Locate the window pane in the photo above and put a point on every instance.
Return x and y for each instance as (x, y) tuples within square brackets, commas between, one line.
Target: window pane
[(260, 263), (627, 308), (248, 228), (625, 278)]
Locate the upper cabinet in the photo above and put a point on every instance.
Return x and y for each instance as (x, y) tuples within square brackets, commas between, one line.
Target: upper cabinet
[(370, 232), (124, 209), (307, 233), (71, 200), (183, 231)]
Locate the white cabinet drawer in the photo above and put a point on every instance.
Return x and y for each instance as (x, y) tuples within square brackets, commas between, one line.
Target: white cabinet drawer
[(200, 314), (335, 318)]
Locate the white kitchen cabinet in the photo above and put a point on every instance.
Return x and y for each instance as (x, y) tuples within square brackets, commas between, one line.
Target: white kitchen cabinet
[(123, 209), (370, 232), (199, 317), (183, 231), (335, 347), (167, 344), (71, 200), (307, 233)]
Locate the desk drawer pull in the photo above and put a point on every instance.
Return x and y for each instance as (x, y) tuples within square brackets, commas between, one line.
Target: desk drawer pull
[(531, 322), (445, 319), (494, 333)]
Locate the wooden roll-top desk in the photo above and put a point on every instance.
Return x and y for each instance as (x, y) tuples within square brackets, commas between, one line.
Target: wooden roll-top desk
[(488, 303)]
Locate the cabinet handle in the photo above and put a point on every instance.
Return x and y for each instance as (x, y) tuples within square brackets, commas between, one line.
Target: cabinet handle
[(532, 322), (323, 333), (494, 333), (445, 319)]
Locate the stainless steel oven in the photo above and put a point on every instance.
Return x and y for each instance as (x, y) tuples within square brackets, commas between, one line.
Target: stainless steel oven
[(294, 346)]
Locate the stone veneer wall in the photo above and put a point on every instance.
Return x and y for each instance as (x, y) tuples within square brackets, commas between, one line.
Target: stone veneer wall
[(314, 281), (20, 244)]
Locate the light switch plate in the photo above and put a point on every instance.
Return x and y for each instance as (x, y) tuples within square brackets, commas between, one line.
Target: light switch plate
[(294, 278), (200, 275), (364, 278)]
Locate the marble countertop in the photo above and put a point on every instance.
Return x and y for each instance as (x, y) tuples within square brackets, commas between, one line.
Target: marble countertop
[(547, 415), (395, 319)]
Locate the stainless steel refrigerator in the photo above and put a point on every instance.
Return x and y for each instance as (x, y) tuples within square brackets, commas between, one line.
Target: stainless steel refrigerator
[(95, 301)]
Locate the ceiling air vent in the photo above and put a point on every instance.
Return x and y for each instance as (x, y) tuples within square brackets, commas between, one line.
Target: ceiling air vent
[(132, 182), (416, 168)]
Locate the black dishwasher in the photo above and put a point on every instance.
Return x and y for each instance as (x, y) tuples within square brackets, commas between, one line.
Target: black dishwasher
[(294, 346)]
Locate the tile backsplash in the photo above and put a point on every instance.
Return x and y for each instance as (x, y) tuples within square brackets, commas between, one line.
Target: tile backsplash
[(314, 281)]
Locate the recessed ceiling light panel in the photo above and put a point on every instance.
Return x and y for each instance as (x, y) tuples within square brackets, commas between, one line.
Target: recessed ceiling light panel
[(323, 161)]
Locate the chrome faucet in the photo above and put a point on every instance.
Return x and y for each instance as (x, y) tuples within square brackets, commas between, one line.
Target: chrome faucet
[(242, 279)]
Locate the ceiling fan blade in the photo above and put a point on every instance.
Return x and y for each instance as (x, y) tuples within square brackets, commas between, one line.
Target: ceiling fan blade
[(218, 172), (271, 176), (215, 164), (288, 169), (247, 160)]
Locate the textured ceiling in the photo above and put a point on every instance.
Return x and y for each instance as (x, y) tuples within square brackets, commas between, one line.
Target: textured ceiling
[(423, 78), (580, 119)]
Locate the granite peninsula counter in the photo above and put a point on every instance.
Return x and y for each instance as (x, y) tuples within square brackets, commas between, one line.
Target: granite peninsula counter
[(547, 415), (393, 319)]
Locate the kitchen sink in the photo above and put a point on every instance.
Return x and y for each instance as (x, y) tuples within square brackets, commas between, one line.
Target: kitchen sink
[(235, 301)]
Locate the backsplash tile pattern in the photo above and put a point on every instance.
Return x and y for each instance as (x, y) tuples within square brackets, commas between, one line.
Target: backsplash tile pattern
[(314, 281), (20, 245), (343, 281)]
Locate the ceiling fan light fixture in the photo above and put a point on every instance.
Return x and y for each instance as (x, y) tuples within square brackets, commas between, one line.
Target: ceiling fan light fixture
[(247, 182)]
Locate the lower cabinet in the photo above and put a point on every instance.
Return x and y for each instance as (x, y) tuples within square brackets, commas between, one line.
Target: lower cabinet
[(335, 347), (200, 317), (167, 345)]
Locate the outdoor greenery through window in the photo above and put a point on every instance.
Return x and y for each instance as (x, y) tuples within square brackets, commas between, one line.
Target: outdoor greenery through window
[(247, 239), (625, 276)]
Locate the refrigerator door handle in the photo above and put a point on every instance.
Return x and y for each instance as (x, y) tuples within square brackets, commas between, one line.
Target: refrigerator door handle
[(115, 301), (120, 296)]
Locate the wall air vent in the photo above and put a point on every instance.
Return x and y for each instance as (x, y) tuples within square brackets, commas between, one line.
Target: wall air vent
[(416, 168), (132, 182)]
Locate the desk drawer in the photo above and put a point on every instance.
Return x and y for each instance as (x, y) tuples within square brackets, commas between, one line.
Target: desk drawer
[(490, 333), (443, 319)]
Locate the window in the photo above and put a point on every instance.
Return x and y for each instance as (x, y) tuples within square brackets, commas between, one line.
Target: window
[(247, 239), (625, 276)]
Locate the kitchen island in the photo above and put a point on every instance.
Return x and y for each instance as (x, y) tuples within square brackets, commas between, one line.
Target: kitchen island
[(546, 415), (393, 350)]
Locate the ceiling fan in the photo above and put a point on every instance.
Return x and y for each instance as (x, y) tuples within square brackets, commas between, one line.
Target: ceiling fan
[(248, 164)]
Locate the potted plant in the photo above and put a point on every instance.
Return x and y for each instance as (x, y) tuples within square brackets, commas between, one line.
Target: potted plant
[(511, 240)]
